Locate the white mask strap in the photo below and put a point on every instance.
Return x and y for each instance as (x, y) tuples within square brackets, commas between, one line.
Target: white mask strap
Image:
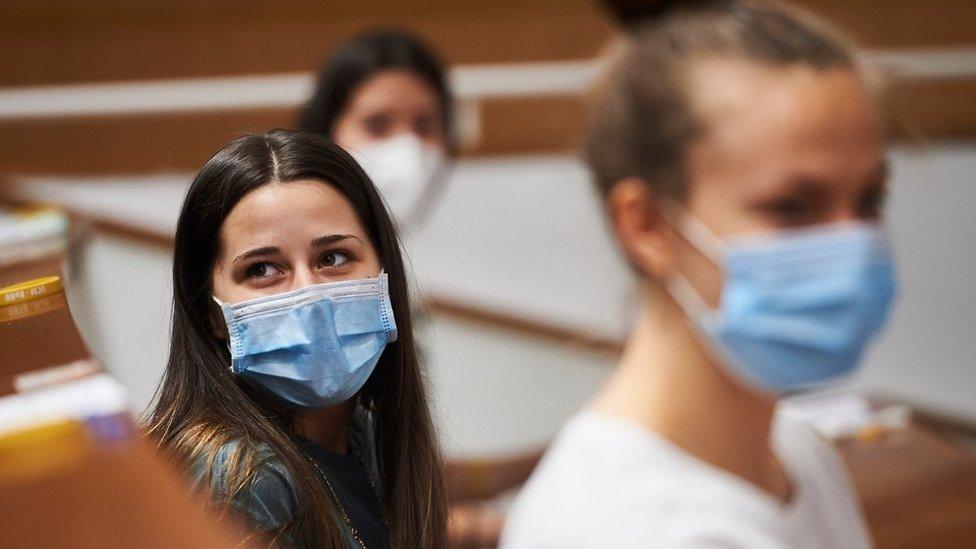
[(709, 245), (696, 233), (686, 297)]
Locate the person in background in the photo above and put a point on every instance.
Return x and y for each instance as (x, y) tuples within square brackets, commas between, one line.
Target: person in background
[(385, 98), (293, 389), (740, 155)]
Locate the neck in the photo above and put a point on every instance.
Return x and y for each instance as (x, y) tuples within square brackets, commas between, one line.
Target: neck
[(668, 383), (328, 427)]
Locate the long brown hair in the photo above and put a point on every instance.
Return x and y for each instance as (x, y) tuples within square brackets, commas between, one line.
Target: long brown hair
[(201, 405)]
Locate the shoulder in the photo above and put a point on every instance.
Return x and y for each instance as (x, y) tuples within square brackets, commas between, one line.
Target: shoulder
[(804, 450), (609, 483), (267, 499), (603, 482), (639, 521), (605, 453), (824, 488)]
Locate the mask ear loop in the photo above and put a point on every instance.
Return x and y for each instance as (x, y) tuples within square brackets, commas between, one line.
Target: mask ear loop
[(385, 292), (698, 235), (704, 318), (687, 298), (227, 319), (705, 242)]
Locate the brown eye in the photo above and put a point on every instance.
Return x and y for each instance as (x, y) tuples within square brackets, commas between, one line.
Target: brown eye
[(871, 205), (424, 126), (262, 270), (335, 259), (377, 125), (790, 211)]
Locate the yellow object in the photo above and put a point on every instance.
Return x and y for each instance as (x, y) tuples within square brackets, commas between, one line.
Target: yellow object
[(35, 210), (42, 450), (32, 308), (30, 290), (872, 433)]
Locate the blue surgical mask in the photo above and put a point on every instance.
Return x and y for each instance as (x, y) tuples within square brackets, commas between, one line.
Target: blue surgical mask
[(312, 347), (798, 307)]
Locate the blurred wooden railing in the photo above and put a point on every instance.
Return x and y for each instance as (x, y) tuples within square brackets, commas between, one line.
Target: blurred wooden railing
[(68, 42), (74, 41), (453, 308)]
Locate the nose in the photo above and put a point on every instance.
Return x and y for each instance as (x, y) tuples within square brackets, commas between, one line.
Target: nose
[(846, 215), (402, 128), (847, 210), (303, 277)]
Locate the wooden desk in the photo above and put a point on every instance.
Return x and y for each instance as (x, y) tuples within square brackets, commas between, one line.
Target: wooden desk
[(37, 334), (62, 483), (12, 273), (917, 488), (120, 495)]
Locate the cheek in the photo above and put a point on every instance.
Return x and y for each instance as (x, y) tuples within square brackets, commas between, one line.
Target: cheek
[(725, 208), (221, 285), (703, 274), (226, 289), (437, 139), (370, 266), (711, 280), (722, 213)]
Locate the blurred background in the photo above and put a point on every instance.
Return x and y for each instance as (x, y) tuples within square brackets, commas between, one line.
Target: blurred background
[(107, 108)]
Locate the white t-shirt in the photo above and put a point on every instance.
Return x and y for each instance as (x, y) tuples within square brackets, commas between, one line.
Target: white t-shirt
[(608, 483)]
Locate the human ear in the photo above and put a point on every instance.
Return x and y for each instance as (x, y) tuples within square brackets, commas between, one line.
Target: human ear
[(640, 226)]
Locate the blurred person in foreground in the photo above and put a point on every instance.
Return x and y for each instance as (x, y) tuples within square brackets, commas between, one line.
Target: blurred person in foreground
[(740, 155)]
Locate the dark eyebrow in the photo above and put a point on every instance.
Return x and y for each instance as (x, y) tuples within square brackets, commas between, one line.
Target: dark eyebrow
[(272, 250), (329, 239), (266, 250), (877, 178)]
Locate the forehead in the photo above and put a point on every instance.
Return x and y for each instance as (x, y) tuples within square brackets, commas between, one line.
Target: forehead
[(788, 116), (277, 213), (394, 89)]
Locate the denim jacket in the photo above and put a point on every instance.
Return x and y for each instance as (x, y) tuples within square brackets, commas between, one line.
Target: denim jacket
[(270, 502)]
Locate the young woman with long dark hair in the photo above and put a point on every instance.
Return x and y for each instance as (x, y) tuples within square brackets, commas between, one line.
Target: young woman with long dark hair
[(292, 388)]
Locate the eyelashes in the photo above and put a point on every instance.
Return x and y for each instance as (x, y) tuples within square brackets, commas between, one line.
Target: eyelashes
[(338, 258), (260, 270), (265, 270)]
